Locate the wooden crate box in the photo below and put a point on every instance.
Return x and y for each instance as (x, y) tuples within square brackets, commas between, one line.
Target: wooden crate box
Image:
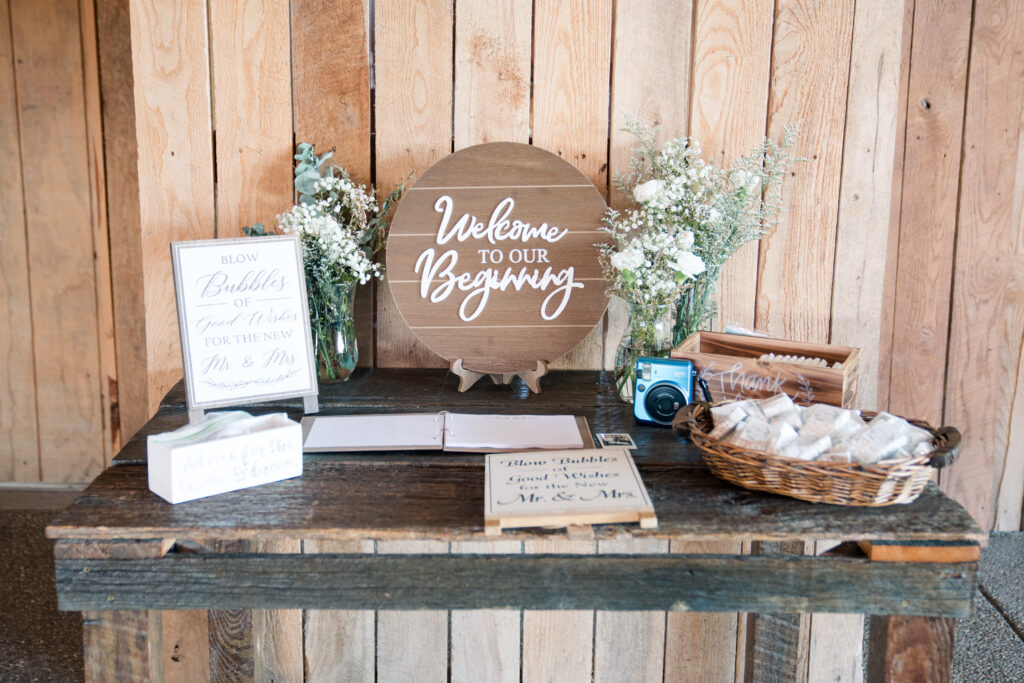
[(729, 364)]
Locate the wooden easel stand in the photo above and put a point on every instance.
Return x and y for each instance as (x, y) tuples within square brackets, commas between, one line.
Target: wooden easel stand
[(531, 378)]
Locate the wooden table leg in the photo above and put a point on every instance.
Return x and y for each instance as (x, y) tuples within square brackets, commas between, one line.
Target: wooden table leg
[(122, 645), (910, 649), (914, 648), (777, 645)]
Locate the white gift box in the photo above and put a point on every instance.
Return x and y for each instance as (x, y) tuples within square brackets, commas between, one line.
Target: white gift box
[(223, 452)]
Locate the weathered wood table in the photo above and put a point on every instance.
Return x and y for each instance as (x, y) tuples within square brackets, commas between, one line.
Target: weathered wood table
[(340, 538)]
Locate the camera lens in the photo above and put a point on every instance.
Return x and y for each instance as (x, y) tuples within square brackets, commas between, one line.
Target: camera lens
[(663, 401)]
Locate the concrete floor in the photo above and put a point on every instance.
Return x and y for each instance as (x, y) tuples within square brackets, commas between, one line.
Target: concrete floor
[(990, 645), (38, 643)]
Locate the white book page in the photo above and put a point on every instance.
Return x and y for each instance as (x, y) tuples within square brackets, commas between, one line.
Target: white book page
[(464, 431), (376, 432)]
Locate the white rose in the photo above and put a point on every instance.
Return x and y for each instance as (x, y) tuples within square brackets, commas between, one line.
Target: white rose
[(714, 215), (685, 241), (689, 264), (647, 191), (629, 259)]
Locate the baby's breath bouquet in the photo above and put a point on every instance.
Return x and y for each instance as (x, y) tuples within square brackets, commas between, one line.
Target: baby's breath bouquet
[(650, 268), (690, 216), (340, 227)]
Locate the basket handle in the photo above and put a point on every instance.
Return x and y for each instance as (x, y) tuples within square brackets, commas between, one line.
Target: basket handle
[(685, 419), (946, 454)]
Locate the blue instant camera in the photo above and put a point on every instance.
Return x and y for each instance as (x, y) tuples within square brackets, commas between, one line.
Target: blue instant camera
[(661, 388)]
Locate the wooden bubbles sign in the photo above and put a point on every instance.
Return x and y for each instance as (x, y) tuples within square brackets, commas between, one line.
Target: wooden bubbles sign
[(492, 260)]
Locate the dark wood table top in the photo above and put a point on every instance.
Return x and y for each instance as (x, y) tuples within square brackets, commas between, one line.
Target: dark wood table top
[(429, 495)]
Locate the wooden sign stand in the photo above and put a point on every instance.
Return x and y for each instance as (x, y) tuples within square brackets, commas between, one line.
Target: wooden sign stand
[(310, 404), (493, 526), (531, 378)]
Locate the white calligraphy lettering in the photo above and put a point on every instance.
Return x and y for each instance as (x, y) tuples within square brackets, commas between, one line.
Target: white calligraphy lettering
[(487, 280), (499, 227)]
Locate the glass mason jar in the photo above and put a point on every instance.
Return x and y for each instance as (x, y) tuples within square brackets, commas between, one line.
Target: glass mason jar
[(649, 333), (696, 307), (334, 332)]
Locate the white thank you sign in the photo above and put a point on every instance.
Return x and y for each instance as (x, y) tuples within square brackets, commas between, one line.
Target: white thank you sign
[(244, 321)]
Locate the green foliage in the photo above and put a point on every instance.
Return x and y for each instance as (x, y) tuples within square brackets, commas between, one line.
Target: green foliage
[(307, 171), (378, 223), (256, 230), (369, 221)]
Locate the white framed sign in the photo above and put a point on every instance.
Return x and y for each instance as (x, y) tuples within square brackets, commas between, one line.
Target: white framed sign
[(244, 321)]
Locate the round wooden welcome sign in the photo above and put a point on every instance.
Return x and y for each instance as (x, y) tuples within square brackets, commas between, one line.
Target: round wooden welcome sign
[(491, 257)]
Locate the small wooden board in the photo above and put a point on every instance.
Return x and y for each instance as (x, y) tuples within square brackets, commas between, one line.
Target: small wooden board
[(557, 489), (926, 551)]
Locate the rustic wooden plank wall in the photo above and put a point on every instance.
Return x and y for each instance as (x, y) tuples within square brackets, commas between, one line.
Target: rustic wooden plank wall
[(1009, 466), (572, 63), (50, 91), (810, 67), (130, 403), (19, 438), (56, 340), (174, 139), (983, 248), (125, 124)]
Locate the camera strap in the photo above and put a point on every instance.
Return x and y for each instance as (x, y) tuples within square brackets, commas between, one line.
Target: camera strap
[(704, 389)]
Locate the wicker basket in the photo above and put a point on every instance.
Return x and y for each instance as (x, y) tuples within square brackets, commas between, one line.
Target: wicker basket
[(819, 482)]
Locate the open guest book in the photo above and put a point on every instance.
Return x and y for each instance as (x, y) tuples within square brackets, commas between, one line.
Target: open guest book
[(444, 431)]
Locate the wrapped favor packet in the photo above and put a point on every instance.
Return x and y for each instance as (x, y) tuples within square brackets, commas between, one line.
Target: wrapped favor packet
[(753, 434), (782, 435), (821, 419), (726, 416), (752, 409), (808, 446), (818, 432), (792, 418), (878, 440), (776, 405)]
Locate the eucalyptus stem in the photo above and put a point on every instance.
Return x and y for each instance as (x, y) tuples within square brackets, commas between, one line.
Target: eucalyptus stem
[(696, 307)]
